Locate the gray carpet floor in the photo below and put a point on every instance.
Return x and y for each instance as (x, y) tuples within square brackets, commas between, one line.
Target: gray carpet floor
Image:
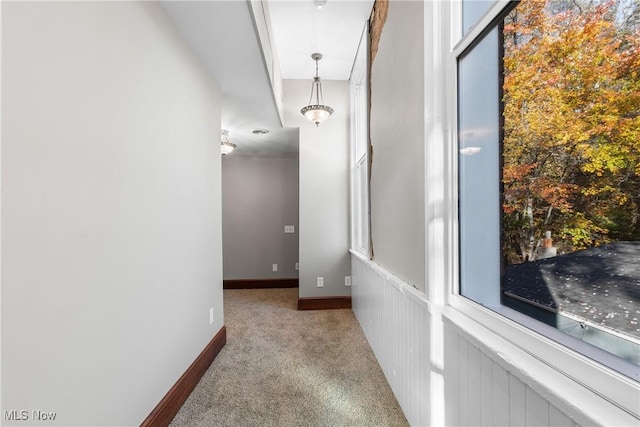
[(283, 367)]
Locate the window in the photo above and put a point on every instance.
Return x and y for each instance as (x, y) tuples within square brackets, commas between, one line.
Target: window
[(549, 169), (359, 151)]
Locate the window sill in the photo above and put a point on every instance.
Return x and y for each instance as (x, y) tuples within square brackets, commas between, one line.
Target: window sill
[(400, 285), (569, 380)]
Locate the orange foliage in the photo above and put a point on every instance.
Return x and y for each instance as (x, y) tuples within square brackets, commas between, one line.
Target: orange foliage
[(571, 124)]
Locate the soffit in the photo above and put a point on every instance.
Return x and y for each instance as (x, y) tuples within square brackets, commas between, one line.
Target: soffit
[(222, 34)]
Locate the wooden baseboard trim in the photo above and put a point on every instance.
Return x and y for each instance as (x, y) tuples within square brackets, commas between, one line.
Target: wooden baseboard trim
[(171, 403), (323, 303), (259, 283)]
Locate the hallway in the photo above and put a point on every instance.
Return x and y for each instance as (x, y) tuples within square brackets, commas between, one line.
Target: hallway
[(284, 367), (114, 211)]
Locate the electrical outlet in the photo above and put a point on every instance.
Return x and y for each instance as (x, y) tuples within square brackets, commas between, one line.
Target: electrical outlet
[(274, 267), (347, 280), (211, 316), (297, 266), (320, 282), (289, 228)]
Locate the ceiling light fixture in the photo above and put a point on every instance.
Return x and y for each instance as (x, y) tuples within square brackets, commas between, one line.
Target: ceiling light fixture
[(226, 147), (319, 4), (317, 112)]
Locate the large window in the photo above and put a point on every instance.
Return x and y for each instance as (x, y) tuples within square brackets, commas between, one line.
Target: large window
[(549, 169)]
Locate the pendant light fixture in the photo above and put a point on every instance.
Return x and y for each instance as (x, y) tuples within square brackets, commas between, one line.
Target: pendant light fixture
[(319, 4), (226, 147), (317, 112)]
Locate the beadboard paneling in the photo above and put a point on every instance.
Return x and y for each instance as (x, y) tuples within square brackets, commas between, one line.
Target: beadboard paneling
[(481, 392), (484, 380), (395, 321)]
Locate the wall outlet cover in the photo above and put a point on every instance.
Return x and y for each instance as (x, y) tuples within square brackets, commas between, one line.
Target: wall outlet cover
[(211, 316), (289, 228), (274, 267), (347, 280), (320, 282), (297, 266)]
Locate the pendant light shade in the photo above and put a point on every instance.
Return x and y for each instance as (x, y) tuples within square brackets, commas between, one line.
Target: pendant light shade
[(226, 147), (317, 112)]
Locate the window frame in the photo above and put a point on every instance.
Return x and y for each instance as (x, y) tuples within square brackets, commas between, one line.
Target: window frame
[(586, 365), (359, 148)]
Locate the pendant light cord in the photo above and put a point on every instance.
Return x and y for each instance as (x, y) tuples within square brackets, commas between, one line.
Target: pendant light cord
[(316, 84), (319, 93)]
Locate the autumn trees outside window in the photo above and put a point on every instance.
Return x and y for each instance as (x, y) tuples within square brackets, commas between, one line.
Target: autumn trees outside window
[(571, 145), (549, 168)]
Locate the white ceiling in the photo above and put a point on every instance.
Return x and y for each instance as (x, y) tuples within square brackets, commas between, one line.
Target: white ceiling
[(300, 30), (223, 36)]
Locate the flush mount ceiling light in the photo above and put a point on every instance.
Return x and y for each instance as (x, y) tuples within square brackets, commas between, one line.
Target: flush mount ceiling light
[(317, 112), (319, 4), (225, 146)]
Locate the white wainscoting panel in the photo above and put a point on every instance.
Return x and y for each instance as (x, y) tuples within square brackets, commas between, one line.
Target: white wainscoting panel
[(481, 392), (395, 319), (487, 380)]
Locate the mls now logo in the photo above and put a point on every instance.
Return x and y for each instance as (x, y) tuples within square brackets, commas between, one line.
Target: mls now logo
[(16, 415), (24, 415), (43, 416)]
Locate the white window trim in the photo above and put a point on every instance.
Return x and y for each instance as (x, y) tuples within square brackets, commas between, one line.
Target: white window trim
[(562, 391), (517, 329), (619, 390), (359, 134), (361, 219)]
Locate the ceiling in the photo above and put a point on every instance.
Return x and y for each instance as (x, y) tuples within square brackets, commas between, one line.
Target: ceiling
[(222, 34)]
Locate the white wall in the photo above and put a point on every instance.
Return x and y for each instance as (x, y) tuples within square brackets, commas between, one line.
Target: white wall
[(259, 197), (324, 184), (397, 138), (111, 220)]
